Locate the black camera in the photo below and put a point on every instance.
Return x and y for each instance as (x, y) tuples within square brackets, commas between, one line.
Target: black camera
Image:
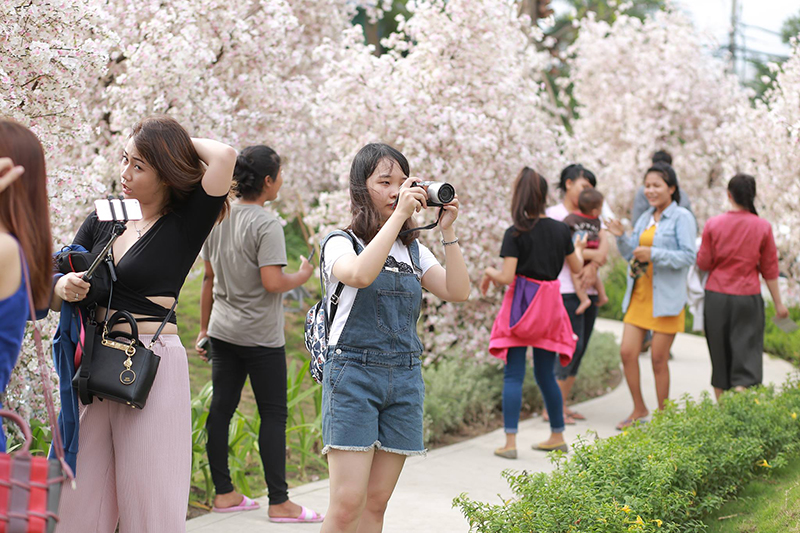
[(439, 192)]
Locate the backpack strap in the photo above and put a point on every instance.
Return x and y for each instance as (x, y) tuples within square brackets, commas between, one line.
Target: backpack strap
[(413, 251), (340, 286)]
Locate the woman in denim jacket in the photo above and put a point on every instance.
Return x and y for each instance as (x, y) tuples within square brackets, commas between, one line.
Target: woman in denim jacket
[(660, 251)]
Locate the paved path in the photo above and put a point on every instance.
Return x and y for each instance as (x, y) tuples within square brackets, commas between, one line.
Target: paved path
[(427, 486)]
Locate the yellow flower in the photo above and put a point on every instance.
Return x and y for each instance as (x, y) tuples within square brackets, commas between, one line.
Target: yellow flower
[(639, 520), (758, 402), (794, 416), (764, 463), (657, 522), (626, 508)]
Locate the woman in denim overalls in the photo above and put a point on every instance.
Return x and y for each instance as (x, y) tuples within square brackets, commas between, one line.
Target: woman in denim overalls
[(372, 390)]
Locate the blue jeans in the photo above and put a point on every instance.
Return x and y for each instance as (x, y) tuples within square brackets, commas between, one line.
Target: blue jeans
[(543, 362)]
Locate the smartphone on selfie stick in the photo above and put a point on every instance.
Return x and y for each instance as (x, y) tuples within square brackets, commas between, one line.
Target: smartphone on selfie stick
[(117, 210)]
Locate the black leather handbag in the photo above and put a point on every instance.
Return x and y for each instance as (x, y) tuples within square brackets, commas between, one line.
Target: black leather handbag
[(116, 365)]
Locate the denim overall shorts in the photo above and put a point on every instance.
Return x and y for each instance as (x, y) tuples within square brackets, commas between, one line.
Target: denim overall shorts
[(372, 388)]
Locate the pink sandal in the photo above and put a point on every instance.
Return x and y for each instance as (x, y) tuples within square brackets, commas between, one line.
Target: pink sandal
[(306, 516), (246, 505)]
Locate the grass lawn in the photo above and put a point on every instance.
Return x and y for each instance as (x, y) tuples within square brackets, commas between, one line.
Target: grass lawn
[(768, 505)]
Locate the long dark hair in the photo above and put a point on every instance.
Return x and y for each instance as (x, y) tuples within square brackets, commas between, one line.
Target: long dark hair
[(253, 165), (528, 200), (574, 172), (667, 173), (366, 219), (743, 190), (24, 207), (168, 148)]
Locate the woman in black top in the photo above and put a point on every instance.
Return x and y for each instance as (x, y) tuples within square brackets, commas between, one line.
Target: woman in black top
[(134, 466), (534, 250)]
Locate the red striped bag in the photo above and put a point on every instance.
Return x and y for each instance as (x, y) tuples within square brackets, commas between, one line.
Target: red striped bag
[(30, 486)]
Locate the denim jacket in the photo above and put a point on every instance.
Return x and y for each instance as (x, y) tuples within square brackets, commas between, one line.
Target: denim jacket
[(672, 253)]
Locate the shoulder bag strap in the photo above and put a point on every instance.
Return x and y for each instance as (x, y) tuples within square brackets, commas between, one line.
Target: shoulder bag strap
[(44, 374), (164, 323)]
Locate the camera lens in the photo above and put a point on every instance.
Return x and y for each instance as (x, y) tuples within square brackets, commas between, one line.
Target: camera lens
[(445, 193)]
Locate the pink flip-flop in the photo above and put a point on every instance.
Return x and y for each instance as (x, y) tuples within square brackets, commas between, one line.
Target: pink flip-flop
[(306, 516), (246, 505)]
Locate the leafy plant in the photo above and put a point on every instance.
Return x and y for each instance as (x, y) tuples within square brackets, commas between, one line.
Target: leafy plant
[(664, 476)]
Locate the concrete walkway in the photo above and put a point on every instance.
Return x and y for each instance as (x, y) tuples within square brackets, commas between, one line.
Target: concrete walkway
[(423, 498)]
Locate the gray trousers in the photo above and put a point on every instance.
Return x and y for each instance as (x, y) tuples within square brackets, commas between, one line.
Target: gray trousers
[(734, 327)]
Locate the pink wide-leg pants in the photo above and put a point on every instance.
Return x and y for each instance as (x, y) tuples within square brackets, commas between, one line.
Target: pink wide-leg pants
[(134, 466)]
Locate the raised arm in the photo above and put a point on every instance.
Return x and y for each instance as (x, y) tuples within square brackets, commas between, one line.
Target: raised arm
[(220, 160), (360, 270)]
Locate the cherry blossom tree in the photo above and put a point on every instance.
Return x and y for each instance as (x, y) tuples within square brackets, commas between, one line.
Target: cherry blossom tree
[(457, 93)]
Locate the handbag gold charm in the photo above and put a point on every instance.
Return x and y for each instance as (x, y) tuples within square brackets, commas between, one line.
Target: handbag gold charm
[(127, 376)]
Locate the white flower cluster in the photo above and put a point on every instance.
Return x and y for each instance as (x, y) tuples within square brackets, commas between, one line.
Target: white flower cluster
[(460, 92)]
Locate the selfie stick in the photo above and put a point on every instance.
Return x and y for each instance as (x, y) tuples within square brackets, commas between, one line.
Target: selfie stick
[(118, 229)]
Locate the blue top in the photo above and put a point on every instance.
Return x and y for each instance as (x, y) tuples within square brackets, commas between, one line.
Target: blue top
[(674, 250), (14, 312)]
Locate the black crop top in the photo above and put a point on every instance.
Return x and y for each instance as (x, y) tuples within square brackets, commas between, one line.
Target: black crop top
[(156, 264)]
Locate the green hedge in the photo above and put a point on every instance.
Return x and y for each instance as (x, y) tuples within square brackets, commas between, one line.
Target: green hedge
[(663, 476), (776, 342)]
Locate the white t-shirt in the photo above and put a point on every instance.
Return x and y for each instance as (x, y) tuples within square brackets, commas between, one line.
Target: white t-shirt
[(559, 212), (338, 246)]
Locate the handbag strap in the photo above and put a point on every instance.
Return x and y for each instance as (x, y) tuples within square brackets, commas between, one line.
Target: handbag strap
[(44, 374), (164, 323)]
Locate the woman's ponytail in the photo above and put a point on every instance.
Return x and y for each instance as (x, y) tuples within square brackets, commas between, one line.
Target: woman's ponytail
[(528, 199), (743, 190)]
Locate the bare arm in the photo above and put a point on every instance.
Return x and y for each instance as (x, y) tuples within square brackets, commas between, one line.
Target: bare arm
[(360, 270), (451, 284), (274, 279), (499, 277), (206, 302), (220, 160), (774, 290), (598, 255)]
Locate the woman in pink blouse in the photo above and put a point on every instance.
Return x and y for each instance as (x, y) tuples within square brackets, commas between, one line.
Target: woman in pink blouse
[(737, 246)]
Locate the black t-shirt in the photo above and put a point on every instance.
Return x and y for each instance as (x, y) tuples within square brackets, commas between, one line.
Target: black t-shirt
[(156, 264), (540, 251)]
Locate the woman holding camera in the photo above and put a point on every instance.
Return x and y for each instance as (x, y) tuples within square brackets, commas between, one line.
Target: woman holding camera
[(134, 466), (661, 250), (736, 247), (241, 318), (25, 241), (372, 388), (534, 249)]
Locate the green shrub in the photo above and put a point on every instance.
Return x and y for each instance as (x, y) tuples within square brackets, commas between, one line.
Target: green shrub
[(776, 342), (459, 392), (663, 476)]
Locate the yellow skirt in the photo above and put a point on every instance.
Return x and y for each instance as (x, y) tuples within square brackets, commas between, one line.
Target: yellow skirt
[(640, 309)]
